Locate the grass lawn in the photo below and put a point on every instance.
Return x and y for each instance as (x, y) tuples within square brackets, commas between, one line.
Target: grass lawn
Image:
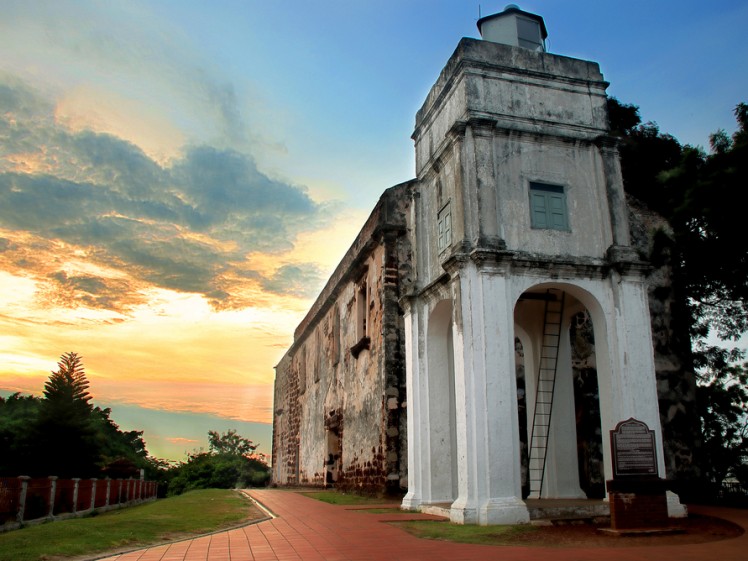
[(467, 533), (195, 512), (338, 498)]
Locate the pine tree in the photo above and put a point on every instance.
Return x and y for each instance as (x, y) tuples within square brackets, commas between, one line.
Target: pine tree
[(65, 429), (69, 385)]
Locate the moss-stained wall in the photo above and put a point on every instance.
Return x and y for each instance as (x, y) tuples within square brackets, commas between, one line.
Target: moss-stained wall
[(340, 389)]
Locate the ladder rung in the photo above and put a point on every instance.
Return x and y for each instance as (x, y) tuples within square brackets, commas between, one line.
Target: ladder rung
[(546, 383)]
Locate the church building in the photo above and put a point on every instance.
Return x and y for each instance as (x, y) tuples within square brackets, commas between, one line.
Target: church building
[(493, 320)]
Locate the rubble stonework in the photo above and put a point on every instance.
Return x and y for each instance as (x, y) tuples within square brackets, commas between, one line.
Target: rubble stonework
[(340, 392)]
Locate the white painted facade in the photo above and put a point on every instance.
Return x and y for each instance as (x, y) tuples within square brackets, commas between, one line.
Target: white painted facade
[(500, 120)]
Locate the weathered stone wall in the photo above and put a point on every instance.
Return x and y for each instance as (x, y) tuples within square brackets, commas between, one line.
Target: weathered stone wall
[(499, 118), (519, 88), (651, 235), (340, 389)]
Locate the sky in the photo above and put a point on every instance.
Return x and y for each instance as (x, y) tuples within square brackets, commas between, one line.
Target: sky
[(178, 178)]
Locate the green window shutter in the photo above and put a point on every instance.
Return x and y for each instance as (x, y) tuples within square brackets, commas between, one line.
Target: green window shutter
[(548, 207), (557, 211), (539, 210), (444, 228)]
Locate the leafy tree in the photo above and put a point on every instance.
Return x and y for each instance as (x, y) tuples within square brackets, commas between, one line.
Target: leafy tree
[(230, 443), (230, 462), (724, 395), (121, 454), (699, 194), (64, 434), (17, 414)]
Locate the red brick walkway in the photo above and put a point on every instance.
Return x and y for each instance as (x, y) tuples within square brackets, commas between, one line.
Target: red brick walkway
[(309, 530)]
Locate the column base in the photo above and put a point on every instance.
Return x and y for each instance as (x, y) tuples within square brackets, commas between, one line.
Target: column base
[(463, 511), (504, 510), (411, 502)]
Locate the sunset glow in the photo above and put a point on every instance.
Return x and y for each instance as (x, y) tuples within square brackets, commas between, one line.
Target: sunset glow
[(179, 179)]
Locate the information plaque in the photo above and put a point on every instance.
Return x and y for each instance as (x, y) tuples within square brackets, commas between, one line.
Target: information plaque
[(633, 447)]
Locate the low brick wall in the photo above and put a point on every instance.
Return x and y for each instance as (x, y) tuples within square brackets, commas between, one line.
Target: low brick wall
[(25, 500)]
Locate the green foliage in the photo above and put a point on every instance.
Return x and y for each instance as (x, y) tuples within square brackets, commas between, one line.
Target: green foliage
[(17, 414), (64, 434), (228, 464), (700, 196), (68, 385), (723, 393), (230, 443)]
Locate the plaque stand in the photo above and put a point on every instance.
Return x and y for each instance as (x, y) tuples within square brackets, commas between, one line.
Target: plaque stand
[(638, 496)]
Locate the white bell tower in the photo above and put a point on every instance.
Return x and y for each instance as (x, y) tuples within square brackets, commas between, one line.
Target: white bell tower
[(519, 203)]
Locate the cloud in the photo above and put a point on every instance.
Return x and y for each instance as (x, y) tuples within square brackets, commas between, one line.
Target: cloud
[(188, 226), (301, 280), (126, 52), (181, 440)]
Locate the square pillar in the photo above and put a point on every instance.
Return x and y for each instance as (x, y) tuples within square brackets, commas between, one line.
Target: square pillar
[(416, 428), (489, 473)]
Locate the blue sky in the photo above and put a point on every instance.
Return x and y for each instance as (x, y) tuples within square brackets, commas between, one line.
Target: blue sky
[(178, 178)]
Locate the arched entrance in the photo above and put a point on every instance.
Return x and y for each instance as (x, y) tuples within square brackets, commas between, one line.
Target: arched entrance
[(558, 398)]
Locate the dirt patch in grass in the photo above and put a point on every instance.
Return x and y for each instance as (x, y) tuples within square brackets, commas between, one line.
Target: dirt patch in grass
[(695, 529)]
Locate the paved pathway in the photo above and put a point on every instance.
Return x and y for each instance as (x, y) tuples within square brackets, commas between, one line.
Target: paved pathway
[(309, 530)]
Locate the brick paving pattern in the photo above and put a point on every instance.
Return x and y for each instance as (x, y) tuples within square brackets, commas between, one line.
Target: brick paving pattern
[(309, 530)]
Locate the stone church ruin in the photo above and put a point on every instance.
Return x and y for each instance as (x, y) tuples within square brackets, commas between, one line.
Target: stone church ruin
[(497, 316)]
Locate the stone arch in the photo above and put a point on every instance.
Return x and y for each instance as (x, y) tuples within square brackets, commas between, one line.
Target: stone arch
[(441, 404), (562, 464)]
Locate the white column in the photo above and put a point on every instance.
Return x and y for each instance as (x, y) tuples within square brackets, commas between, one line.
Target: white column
[(639, 382), (489, 478), (416, 396), (626, 369), (633, 383)]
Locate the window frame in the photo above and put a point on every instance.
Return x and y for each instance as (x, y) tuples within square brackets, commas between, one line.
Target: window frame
[(362, 298), (525, 39), (548, 207), (444, 227)]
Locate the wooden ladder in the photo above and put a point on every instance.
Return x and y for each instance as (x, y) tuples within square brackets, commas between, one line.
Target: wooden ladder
[(546, 383)]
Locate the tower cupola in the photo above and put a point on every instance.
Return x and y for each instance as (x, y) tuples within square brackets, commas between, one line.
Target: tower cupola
[(514, 27)]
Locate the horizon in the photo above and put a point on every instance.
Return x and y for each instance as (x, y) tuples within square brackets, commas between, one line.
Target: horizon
[(178, 180)]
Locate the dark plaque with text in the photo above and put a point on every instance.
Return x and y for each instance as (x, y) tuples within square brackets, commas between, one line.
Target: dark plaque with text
[(633, 447)]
